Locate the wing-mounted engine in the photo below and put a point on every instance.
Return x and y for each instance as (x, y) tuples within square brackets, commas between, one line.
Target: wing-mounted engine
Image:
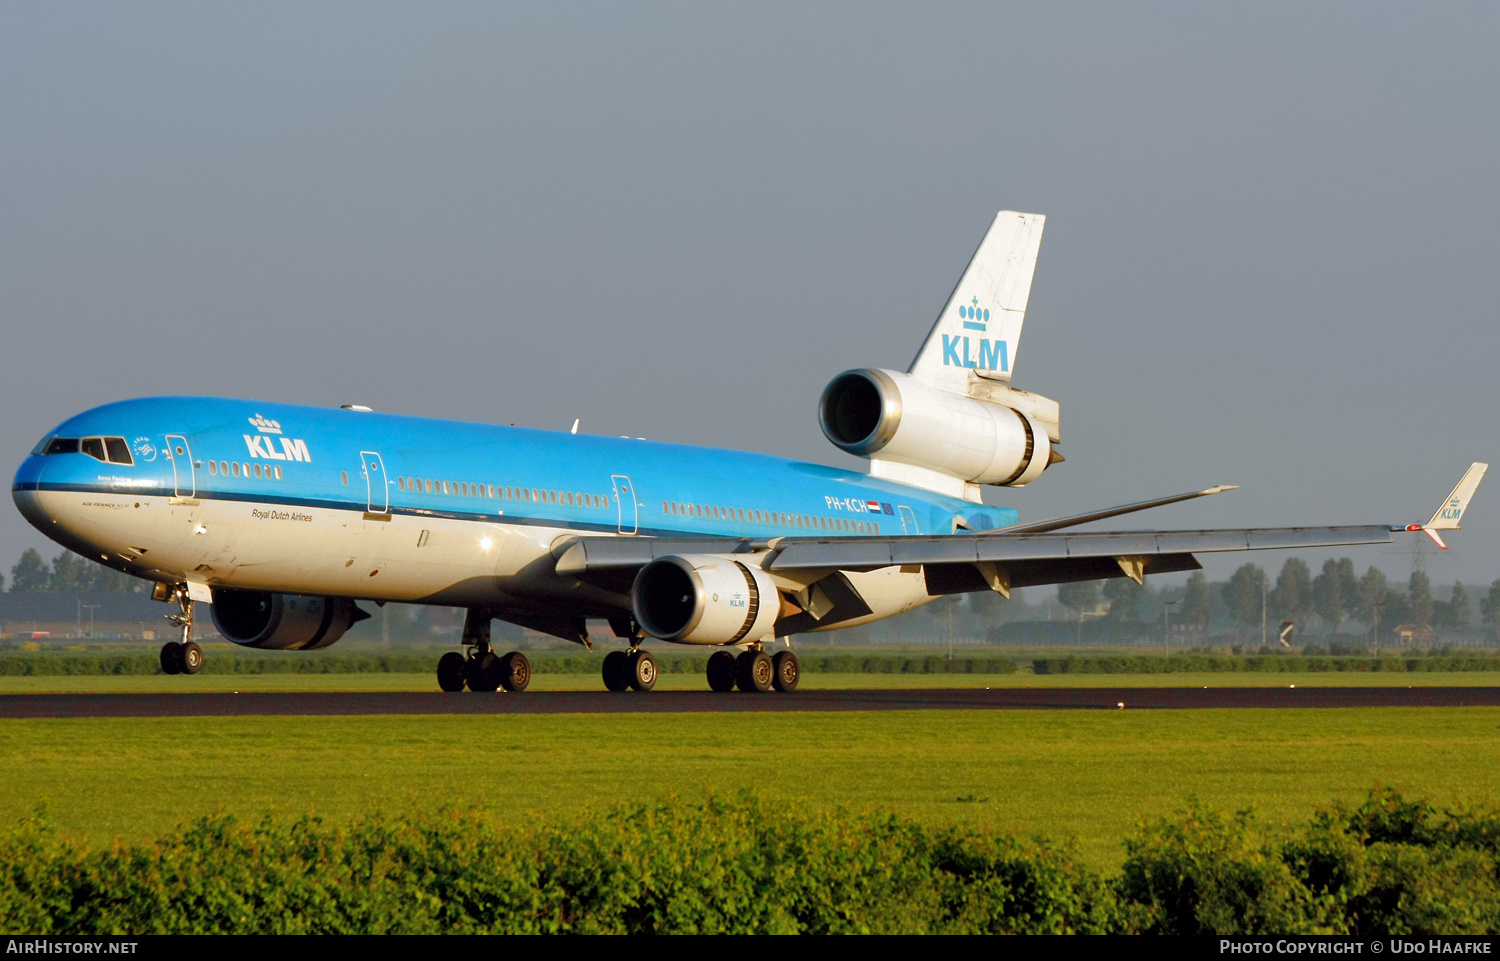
[(897, 421), (283, 622), (704, 599)]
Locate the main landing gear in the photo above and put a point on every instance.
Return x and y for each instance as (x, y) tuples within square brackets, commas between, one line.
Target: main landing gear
[(754, 671), (483, 669), (635, 670), (185, 656)]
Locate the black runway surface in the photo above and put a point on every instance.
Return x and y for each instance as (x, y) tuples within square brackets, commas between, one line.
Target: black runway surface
[(604, 702)]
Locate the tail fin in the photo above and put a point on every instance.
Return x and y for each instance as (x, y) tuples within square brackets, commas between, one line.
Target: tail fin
[(979, 328)]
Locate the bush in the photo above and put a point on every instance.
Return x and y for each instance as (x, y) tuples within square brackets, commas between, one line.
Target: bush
[(1386, 866), (719, 866), (1262, 663)]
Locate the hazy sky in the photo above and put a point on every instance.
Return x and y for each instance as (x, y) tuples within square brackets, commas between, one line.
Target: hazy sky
[(1269, 260)]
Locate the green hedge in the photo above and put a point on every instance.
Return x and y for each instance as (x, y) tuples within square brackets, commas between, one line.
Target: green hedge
[(1273, 663), (217, 662), (1387, 866), (737, 866)]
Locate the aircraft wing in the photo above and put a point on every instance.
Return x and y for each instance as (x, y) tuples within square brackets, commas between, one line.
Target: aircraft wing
[(969, 562), (1020, 556)]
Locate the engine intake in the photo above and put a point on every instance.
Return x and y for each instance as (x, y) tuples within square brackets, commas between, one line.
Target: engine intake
[(892, 416), (283, 622), (704, 599)]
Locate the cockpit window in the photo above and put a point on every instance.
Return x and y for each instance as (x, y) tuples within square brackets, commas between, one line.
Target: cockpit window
[(111, 450), (119, 451)]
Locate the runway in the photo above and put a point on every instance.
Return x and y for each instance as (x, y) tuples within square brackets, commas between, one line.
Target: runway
[(667, 702)]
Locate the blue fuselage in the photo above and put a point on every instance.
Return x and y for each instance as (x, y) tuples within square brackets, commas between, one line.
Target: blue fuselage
[(287, 457)]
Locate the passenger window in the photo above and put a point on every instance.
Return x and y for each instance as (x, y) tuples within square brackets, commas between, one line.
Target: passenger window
[(344, 476), (94, 447), (119, 451), (213, 467), (278, 472), (257, 470), (236, 466)]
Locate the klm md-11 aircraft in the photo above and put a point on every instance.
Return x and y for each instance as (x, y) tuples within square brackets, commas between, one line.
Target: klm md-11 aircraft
[(283, 517)]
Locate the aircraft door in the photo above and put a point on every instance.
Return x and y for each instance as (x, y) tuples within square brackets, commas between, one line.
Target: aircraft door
[(625, 501), (184, 478), (375, 482), (908, 520)]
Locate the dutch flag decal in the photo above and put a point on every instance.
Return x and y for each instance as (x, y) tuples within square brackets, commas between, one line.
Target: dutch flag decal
[(873, 506)]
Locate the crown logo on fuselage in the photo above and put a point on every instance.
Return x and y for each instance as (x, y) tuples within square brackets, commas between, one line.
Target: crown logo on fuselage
[(265, 426)]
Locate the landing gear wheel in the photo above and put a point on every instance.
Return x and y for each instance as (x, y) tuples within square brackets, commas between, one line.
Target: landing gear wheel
[(642, 670), (515, 672), (171, 658), (483, 673), (451, 672), (190, 657), (721, 671), (753, 671), (785, 671), (617, 670)]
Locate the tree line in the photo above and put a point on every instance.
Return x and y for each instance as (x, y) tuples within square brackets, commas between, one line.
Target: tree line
[(1335, 596), (67, 573)]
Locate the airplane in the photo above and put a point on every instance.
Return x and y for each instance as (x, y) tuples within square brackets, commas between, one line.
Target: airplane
[(282, 517)]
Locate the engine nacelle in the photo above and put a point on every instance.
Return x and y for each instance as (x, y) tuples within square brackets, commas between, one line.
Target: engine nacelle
[(892, 416), (283, 622), (704, 599)]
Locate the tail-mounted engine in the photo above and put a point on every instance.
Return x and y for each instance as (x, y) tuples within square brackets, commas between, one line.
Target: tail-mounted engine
[(704, 599), (283, 622), (892, 417)]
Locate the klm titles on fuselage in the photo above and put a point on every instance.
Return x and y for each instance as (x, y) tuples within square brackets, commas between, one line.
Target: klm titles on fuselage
[(292, 449), (987, 354)]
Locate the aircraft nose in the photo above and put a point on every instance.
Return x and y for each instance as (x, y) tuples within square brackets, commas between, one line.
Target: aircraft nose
[(25, 490)]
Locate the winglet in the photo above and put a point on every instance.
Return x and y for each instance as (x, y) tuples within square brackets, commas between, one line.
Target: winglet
[(1454, 506), (1448, 516)]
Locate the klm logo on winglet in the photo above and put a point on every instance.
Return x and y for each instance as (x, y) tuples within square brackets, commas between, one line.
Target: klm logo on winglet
[(261, 446), (983, 354), (1453, 511)]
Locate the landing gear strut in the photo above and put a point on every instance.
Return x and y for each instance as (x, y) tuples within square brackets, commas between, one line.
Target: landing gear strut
[(483, 669), (185, 656)]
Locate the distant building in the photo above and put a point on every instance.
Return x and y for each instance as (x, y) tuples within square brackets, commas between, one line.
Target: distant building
[(1409, 635)]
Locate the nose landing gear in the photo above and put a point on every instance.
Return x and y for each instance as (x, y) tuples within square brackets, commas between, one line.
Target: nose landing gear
[(185, 656)]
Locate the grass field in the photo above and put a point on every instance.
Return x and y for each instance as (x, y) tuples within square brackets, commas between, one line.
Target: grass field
[(109, 683), (1087, 776)]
